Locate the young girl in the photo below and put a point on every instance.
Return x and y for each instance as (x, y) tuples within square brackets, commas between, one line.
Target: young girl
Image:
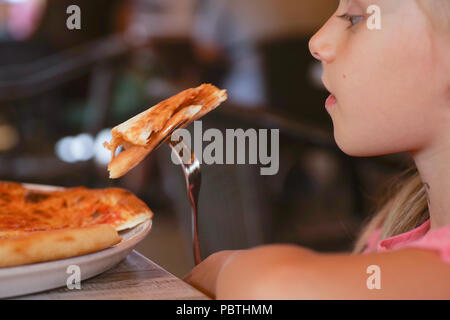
[(390, 93)]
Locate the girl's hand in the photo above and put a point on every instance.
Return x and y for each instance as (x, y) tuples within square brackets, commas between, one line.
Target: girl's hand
[(204, 276)]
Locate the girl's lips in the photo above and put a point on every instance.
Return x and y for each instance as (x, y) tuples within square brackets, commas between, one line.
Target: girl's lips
[(331, 101)]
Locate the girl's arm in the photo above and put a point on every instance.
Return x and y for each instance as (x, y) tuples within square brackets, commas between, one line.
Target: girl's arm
[(291, 272)]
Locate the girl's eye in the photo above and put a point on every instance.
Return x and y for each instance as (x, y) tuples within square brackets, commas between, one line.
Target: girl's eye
[(353, 19)]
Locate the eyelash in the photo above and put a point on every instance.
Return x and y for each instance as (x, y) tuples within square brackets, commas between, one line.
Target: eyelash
[(350, 19)]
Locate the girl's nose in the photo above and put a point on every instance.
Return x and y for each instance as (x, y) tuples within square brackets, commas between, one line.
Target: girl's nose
[(322, 47)]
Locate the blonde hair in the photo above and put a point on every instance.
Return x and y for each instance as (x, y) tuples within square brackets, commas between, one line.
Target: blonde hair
[(405, 206)]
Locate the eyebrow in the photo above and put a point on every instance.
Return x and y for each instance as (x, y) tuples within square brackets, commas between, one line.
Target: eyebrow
[(347, 3)]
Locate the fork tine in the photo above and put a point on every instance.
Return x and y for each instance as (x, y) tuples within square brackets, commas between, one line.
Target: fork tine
[(170, 133)]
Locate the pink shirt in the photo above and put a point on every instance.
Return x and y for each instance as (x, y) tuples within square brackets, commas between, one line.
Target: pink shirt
[(420, 237)]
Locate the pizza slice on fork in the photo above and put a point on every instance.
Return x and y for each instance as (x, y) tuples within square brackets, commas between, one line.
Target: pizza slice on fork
[(144, 132)]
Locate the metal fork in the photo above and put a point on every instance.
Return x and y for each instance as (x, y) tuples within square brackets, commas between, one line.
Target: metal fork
[(193, 179)]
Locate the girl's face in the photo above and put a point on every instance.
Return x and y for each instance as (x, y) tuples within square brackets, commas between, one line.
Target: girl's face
[(392, 85)]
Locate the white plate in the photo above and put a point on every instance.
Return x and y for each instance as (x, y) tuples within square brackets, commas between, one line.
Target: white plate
[(32, 278)]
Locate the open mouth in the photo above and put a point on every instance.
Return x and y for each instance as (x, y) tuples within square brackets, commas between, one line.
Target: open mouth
[(331, 101)]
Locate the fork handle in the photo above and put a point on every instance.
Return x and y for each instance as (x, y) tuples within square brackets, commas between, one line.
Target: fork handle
[(195, 242), (192, 177)]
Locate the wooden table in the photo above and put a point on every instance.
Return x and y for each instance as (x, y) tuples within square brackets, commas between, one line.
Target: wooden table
[(136, 277)]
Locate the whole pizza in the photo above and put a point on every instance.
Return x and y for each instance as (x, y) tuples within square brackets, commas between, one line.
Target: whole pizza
[(40, 225)]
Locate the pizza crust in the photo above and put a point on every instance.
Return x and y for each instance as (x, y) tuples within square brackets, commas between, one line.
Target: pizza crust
[(133, 222), (56, 244)]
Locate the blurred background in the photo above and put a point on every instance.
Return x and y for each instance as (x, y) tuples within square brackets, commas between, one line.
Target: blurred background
[(65, 82)]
